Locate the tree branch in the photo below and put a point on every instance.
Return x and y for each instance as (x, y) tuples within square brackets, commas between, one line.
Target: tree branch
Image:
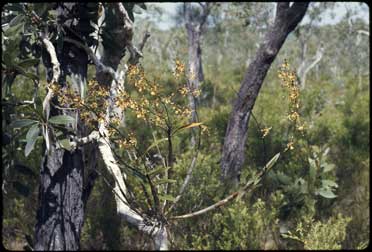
[(250, 186), (100, 67)]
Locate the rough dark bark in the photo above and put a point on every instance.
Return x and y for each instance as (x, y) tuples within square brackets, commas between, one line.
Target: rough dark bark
[(287, 18), (60, 213)]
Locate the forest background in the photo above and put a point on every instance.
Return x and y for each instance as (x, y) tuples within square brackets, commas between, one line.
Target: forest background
[(315, 197)]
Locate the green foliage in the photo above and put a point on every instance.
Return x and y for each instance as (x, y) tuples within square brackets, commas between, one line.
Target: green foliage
[(240, 226), (326, 175), (317, 235)]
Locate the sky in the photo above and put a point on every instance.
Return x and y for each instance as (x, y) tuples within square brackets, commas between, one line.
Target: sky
[(339, 11)]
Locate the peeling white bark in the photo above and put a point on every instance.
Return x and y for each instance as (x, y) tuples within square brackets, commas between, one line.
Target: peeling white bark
[(317, 59), (56, 73), (155, 229)]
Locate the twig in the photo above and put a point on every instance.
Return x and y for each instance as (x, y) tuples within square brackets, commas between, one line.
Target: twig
[(248, 187)]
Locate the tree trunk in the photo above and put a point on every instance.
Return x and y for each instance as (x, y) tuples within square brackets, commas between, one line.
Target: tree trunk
[(195, 26), (317, 58), (233, 157), (60, 214), (195, 68)]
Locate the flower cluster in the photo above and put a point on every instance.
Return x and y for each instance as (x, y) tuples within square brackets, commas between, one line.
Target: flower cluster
[(142, 98), (179, 69), (126, 143), (92, 109), (186, 90), (148, 102), (265, 131), (290, 83)]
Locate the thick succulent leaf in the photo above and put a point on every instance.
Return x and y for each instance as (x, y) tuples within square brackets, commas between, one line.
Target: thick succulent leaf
[(272, 161), (187, 126), (164, 181), (167, 197)]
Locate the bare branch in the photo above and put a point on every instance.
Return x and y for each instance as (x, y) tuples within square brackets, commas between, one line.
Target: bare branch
[(317, 58), (207, 209), (249, 186), (100, 67), (137, 54), (145, 37), (363, 32)]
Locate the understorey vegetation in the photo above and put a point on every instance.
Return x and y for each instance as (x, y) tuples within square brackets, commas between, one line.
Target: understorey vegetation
[(242, 126)]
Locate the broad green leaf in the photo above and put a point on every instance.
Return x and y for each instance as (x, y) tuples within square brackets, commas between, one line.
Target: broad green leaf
[(326, 193), (284, 179), (164, 181), (22, 71), (17, 28), (167, 197), (31, 138), (31, 75), (28, 63), (157, 171), (17, 20), (65, 143), (312, 162), (7, 83), (315, 148), (328, 167), (22, 123), (33, 132), (312, 172), (272, 161), (14, 7), (61, 119), (325, 152), (329, 183), (7, 59)]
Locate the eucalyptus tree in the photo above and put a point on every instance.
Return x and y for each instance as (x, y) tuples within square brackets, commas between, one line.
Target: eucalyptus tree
[(63, 35), (286, 19), (304, 32), (76, 117), (195, 20)]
